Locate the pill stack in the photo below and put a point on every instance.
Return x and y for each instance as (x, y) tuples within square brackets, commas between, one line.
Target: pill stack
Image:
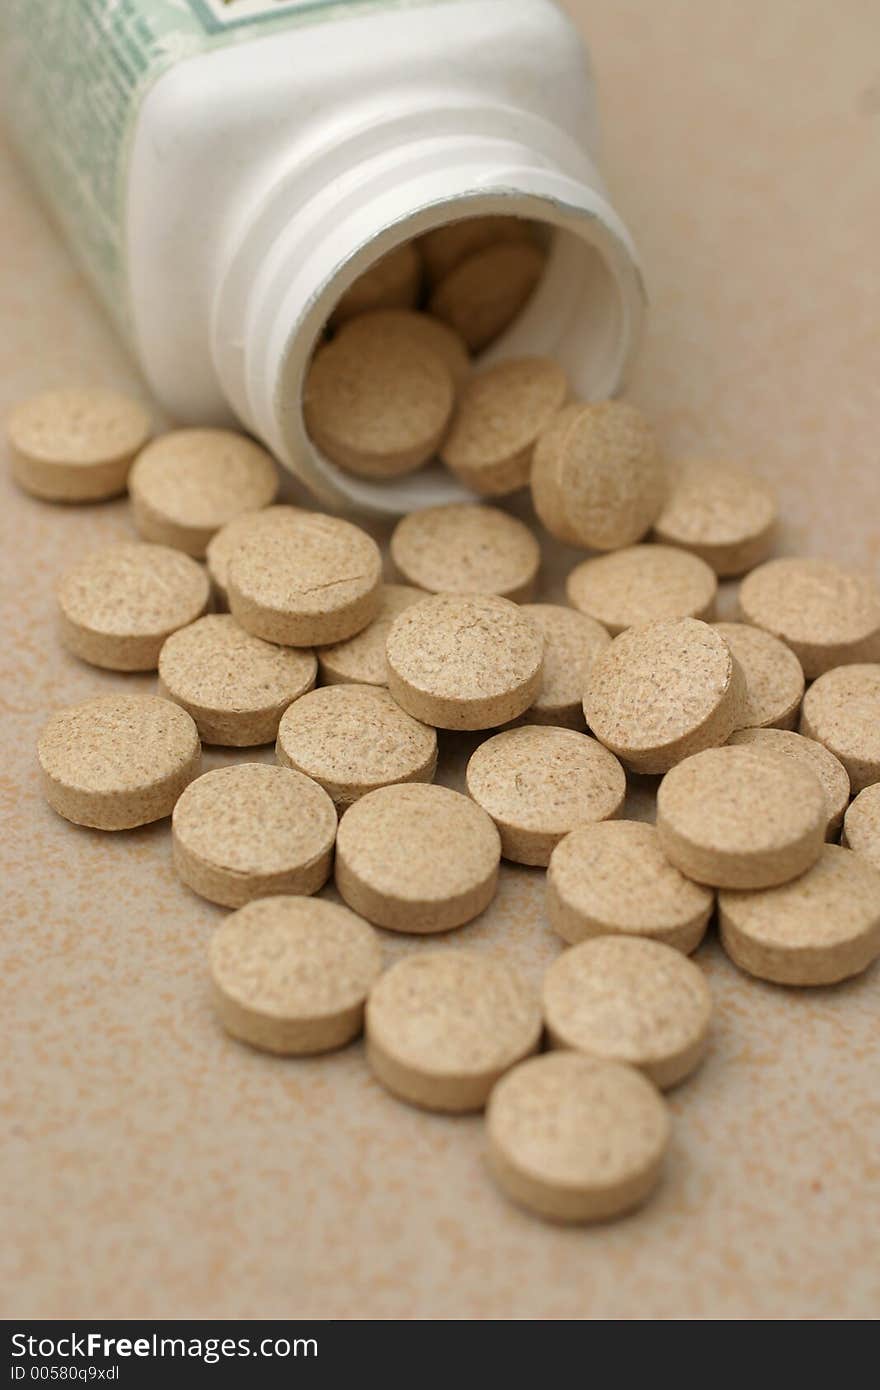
[(272, 623)]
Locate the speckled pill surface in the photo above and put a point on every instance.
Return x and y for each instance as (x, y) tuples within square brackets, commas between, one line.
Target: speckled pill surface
[(360, 660), (733, 818), (663, 691), (773, 676), (499, 415), (572, 641), (117, 761), (392, 282), (76, 444), (226, 541), (614, 879), (417, 858), (821, 928), (828, 615), (313, 581), (188, 483), (538, 783), (373, 332), (351, 739), (464, 662), (576, 1139), (235, 686), (445, 247), (642, 584), (841, 710), (443, 1026), (465, 548), (721, 512), (861, 829), (118, 606), (251, 831), (291, 975), (626, 999), (830, 770), (483, 294)]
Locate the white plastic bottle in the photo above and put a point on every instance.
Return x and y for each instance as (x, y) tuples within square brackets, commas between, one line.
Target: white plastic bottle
[(225, 168)]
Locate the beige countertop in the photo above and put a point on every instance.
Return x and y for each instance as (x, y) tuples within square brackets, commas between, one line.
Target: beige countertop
[(153, 1168)]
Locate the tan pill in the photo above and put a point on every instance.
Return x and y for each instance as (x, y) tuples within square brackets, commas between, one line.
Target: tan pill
[(360, 660), (251, 831), (500, 413), (235, 686), (841, 710), (538, 783), (734, 818), (392, 282), (663, 691), (625, 999), (446, 247), (599, 481), (576, 1139), (720, 512), (226, 541), (817, 930), (314, 580), (117, 761), (572, 641), (119, 605), (483, 294), (464, 662), (466, 548), (403, 327), (187, 484), (351, 739), (830, 770), (773, 675), (76, 444), (378, 411), (614, 879), (642, 584), (417, 858), (291, 975), (861, 830), (828, 615), (443, 1026)]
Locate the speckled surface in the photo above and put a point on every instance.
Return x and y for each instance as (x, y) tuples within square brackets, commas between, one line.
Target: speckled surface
[(152, 1167)]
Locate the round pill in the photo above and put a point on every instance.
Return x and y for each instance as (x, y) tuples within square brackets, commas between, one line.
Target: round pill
[(392, 282), (547, 498), (483, 294), (821, 928), (378, 411), (861, 830), (830, 770), (373, 332), (251, 831), (642, 584), (614, 879), (442, 1026), (351, 739), (118, 606), (842, 711), (572, 641), (734, 818), (626, 999), (773, 675), (464, 662), (314, 580), (500, 413), (76, 444), (538, 783), (828, 615), (235, 686), (445, 247), (663, 691), (720, 512), (117, 761), (187, 484), (465, 548), (226, 541), (417, 858), (576, 1139), (599, 481), (360, 660), (291, 975)]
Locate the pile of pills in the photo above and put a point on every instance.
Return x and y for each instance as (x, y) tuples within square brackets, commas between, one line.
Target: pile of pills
[(272, 624)]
